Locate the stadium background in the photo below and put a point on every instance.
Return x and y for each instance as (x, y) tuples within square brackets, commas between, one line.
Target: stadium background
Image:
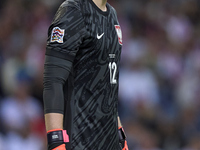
[(159, 81)]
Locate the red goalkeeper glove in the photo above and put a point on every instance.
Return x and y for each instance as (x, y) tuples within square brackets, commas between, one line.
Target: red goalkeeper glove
[(56, 139), (122, 139), (61, 147)]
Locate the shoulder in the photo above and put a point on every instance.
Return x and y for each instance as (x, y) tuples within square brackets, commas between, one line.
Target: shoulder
[(112, 10), (72, 3), (68, 7)]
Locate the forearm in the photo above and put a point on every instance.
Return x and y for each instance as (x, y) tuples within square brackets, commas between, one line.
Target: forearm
[(53, 121), (56, 71), (119, 122)]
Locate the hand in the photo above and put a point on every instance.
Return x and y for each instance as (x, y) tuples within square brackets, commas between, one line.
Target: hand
[(122, 139), (125, 146), (61, 147)]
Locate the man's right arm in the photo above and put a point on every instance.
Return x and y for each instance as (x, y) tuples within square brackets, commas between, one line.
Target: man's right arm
[(56, 72), (65, 36)]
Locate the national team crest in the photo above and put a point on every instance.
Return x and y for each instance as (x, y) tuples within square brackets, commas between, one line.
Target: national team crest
[(57, 35), (119, 33)]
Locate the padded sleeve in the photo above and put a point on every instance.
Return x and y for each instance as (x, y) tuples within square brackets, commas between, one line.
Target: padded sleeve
[(56, 72)]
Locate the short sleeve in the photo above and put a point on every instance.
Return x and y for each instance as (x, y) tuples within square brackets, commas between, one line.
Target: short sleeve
[(66, 32)]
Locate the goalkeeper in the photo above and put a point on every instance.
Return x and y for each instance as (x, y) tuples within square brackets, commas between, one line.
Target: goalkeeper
[(81, 74)]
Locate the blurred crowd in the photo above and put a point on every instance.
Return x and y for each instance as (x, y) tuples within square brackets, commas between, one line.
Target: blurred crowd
[(159, 93)]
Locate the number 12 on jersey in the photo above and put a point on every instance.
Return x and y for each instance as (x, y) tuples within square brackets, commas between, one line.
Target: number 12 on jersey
[(113, 69)]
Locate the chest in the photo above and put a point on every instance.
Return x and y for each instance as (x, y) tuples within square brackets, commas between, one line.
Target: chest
[(104, 35), (105, 30)]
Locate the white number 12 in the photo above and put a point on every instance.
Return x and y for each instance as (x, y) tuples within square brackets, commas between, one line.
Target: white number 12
[(113, 69)]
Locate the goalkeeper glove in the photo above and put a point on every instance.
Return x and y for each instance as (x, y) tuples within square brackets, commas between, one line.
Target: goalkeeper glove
[(122, 139), (56, 139)]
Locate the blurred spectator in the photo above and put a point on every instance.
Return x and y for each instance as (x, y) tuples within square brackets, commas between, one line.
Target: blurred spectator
[(163, 56), (2, 147), (22, 117)]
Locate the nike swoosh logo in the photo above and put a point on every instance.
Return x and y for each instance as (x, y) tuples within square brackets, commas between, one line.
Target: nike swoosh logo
[(99, 36)]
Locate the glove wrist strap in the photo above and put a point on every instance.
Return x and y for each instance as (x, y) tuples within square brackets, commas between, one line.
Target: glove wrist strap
[(57, 136), (122, 135)]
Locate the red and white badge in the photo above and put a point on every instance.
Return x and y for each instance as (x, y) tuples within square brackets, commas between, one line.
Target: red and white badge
[(119, 33), (57, 35)]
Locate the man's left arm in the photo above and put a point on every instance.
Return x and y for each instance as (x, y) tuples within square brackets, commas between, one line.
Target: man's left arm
[(122, 136)]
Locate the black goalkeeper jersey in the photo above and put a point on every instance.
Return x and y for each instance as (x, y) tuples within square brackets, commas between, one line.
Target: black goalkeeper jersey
[(91, 40)]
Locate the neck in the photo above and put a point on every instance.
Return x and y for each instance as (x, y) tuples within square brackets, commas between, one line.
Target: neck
[(101, 4)]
